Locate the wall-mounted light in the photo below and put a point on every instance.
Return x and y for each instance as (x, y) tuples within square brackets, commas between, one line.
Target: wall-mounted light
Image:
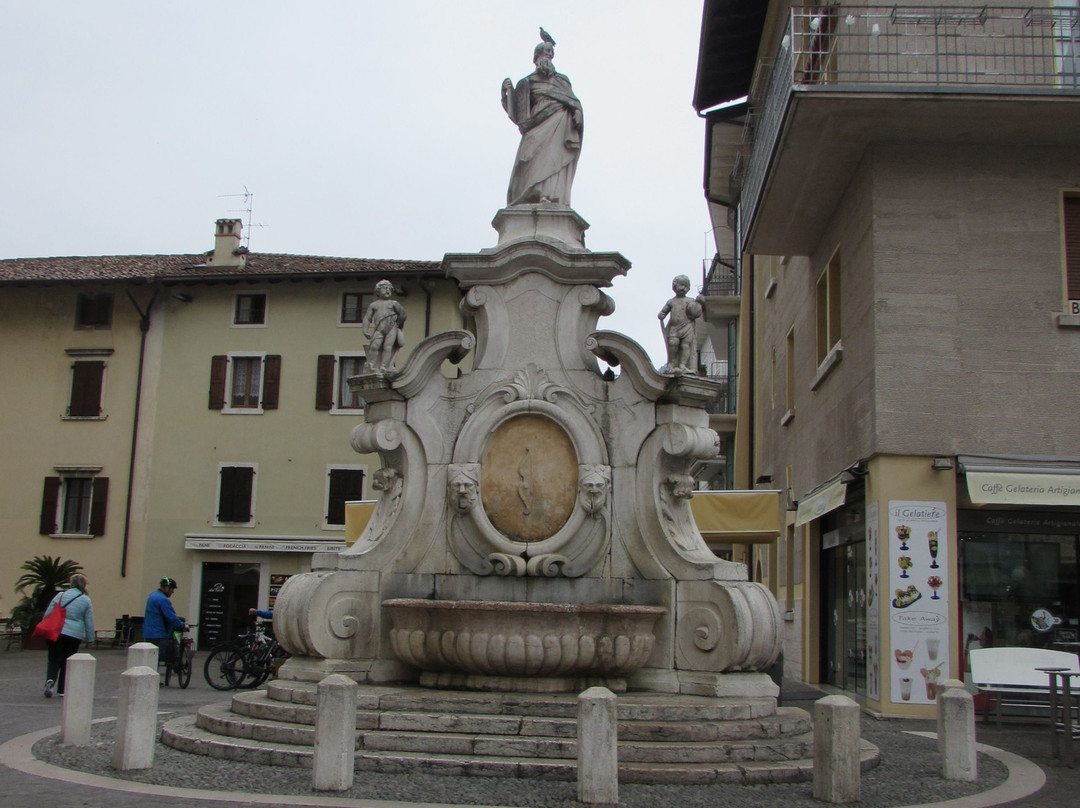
[(875, 30), (764, 479), (942, 464)]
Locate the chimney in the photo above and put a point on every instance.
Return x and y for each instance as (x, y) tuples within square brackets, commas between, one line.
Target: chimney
[(227, 250)]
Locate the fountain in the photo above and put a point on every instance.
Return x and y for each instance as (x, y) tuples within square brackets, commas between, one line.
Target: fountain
[(534, 535)]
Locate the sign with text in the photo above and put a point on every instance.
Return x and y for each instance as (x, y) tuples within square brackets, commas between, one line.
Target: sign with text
[(918, 598)]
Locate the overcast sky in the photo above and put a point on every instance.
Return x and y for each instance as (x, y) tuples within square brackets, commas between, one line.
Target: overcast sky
[(362, 129)]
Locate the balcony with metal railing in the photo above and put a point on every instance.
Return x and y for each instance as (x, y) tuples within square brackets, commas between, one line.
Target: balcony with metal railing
[(720, 277), (899, 52), (724, 404)]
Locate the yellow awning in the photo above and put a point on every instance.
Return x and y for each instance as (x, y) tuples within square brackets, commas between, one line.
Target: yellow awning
[(357, 516), (737, 516), (816, 505)]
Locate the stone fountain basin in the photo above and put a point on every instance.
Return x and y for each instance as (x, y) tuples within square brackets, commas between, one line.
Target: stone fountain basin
[(509, 638)]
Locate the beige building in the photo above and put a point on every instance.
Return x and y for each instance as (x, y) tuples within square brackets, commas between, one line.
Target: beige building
[(902, 188), (241, 461)]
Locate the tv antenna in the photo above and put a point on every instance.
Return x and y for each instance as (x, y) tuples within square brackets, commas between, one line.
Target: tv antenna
[(249, 199)]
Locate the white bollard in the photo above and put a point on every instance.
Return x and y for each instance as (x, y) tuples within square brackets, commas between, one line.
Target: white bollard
[(598, 753), (78, 709), (943, 685), (142, 654), (956, 708), (136, 719), (335, 734), (837, 769)]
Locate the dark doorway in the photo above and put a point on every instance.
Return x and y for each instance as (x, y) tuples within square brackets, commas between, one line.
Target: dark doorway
[(227, 592)]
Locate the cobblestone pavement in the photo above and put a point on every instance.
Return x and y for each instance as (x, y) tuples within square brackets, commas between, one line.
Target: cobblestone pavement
[(23, 710)]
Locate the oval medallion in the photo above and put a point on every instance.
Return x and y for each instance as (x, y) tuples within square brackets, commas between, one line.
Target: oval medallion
[(529, 478)]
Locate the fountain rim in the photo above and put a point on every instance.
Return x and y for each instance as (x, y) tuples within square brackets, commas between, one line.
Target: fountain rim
[(525, 606)]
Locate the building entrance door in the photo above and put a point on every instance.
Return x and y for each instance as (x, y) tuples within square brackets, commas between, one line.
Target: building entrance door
[(227, 592), (843, 619)]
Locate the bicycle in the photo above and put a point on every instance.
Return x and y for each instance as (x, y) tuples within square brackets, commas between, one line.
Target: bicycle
[(179, 657), (245, 662)]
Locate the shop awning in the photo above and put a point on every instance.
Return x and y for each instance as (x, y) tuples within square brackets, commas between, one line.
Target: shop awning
[(821, 502), (737, 517), (357, 516), (1002, 480)]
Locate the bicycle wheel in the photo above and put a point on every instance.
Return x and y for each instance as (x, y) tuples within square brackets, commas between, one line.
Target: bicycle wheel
[(224, 667), (183, 673), (256, 669)]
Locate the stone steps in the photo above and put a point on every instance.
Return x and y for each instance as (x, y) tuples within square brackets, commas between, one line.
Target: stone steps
[(663, 737), (258, 705), (183, 734), (471, 735)]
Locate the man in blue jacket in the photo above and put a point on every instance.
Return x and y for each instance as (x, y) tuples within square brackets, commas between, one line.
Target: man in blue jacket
[(160, 620)]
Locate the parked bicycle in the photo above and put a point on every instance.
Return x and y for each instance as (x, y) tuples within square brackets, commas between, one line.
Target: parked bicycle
[(245, 662), (179, 657)]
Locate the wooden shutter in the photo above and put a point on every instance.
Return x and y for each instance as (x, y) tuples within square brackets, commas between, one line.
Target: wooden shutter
[(99, 499), (271, 382), (345, 485), (234, 496), (49, 501), (324, 382), (1072, 247), (219, 367), (86, 379)]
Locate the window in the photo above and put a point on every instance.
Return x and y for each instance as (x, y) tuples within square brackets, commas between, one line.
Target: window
[(236, 494), (789, 362), (74, 503), (344, 484), (244, 382), (93, 311), (353, 306), (87, 383), (250, 310), (828, 309), (332, 382), (1071, 220)]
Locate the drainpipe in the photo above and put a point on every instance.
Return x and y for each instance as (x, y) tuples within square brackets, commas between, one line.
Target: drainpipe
[(144, 327)]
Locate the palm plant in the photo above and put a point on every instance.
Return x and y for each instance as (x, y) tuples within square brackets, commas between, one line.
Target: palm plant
[(43, 576)]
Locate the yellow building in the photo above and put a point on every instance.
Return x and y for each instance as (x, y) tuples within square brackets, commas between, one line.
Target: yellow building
[(229, 464)]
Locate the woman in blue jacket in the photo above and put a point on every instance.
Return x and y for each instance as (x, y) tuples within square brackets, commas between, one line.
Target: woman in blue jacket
[(78, 628)]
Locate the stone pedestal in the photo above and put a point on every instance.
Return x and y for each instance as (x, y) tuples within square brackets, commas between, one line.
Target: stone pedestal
[(136, 719), (335, 734), (598, 756), (837, 776), (78, 710)]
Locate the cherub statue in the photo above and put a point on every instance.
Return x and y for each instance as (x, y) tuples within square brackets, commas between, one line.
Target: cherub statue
[(679, 331), (382, 324)]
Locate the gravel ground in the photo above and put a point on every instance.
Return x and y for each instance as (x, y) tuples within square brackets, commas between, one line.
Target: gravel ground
[(909, 774)]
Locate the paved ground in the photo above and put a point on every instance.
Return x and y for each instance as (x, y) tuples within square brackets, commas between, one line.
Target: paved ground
[(24, 711)]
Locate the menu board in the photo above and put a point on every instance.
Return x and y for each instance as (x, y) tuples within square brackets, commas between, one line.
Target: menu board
[(276, 582), (918, 598), (215, 600)]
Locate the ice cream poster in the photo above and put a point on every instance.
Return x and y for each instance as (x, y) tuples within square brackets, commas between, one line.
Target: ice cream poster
[(918, 600)]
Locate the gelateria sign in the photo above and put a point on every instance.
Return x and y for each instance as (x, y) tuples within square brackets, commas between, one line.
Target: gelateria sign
[(918, 598), (1018, 488)]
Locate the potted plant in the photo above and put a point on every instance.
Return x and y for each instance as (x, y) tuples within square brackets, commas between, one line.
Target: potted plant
[(43, 576)]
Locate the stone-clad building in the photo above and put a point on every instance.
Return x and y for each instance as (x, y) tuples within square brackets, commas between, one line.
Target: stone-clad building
[(901, 185)]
